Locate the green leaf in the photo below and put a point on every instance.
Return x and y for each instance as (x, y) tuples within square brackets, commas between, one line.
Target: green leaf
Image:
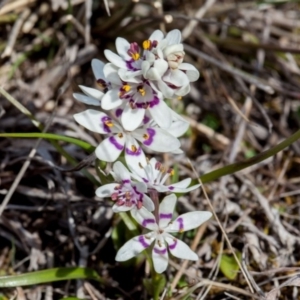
[(50, 275), (228, 266), (51, 136), (233, 168)]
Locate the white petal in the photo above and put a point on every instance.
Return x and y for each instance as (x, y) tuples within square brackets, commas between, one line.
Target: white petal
[(166, 209), (178, 151), (173, 37), (179, 125), (97, 66), (86, 99), (133, 247), (110, 149), (133, 158), (111, 100), (157, 35), (160, 257), (165, 89), (145, 218), (173, 49), (121, 171), (157, 139), (191, 72), (92, 120), (115, 59), (122, 46), (111, 74), (161, 114), (137, 170), (188, 221), (176, 77), (180, 249), (183, 90), (106, 190), (148, 203), (92, 92), (132, 118), (121, 208)]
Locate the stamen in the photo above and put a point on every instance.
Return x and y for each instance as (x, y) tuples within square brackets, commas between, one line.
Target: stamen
[(120, 135), (126, 87), (140, 165), (133, 51), (141, 91), (147, 45), (179, 98), (157, 165), (109, 123), (146, 136), (134, 148), (171, 172)]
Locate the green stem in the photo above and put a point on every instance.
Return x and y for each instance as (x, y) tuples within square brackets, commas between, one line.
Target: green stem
[(230, 169)]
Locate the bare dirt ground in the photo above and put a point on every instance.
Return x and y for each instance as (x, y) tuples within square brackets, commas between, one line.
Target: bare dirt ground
[(247, 100)]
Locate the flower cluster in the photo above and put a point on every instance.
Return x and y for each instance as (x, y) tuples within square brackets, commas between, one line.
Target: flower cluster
[(131, 92)]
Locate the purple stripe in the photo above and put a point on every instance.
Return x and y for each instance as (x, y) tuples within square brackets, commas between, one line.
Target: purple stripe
[(148, 221), (165, 216), (113, 140), (180, 221), (141, 195), (129, 65), (126, 181), (134, 153), (158, 251), (173, 246), (146, 119), (145, 180), (171, 188), (151, 133), (143, 242)]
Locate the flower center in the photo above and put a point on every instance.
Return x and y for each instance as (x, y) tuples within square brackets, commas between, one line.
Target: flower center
[(126, 195)]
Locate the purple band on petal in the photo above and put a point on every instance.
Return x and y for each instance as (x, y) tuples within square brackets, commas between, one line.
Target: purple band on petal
[(145, 180), (148, 221), (151, 133), (133, 153), (141, 195), (126, 181), (143, 242), (119, 112), (165, 216), (171, 188), (113, 140), (105, 127), (180, 221), (130, 66), (158, 251), (153, 102), (173, 246), (146, 120)]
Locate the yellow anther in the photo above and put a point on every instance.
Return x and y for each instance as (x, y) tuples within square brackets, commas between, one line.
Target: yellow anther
[(181, 230), (146, 44), (135, 56), (179, 98), (142, 91), (126, 87), (146, 136), (133, 148), (171, 172), (120, 135), (109, 123)]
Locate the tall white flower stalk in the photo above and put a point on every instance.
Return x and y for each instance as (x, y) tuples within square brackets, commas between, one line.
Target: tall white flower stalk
[(131, 91)]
